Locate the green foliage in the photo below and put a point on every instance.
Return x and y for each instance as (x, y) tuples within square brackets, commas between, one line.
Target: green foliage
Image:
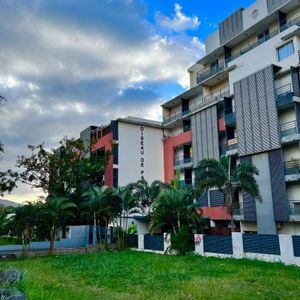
[(182, 241), (135, 275), (145, 194), (132, 229), (220, 174), (174, 209)]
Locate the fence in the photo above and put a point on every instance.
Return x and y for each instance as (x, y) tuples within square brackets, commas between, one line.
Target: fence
[(153, 243), (78, 238), (273, 248)]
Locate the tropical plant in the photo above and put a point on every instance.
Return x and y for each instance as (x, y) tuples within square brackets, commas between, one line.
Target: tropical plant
[(145, 194), (21, 222), (99, 206), (51, 215), (230, 180), (173, 209)]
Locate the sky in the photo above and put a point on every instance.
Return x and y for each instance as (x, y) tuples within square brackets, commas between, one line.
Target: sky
[(69, 64)]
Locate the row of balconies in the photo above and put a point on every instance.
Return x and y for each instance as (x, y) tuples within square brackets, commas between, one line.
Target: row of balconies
[(197, 105), (205, 74)]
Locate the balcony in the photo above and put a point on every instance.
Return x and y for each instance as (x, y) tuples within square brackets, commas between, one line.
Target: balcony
[(187, 183), (230, 116), (203, 75), (199, 104), (292, 170), (230, 148), (289, 132), (284, 96), (182, 160), (272, 34), (232, 144), (238, 214), (223, 149), (294, 210)]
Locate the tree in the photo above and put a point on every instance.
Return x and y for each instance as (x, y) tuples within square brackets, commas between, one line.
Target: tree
[(145, 194), (51, 215), (22, 222), (174, 210), (212, 173), (100, 205)]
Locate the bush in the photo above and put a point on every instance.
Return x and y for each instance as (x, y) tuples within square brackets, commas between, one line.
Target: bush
[(182, 241)]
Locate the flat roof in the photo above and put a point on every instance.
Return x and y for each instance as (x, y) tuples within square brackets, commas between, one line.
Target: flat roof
[(140, 121)]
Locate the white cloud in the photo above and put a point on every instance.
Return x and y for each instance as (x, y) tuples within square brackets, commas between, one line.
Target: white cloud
[(180, 22)]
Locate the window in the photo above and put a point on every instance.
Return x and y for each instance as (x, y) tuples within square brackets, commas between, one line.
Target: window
[(285, 51)]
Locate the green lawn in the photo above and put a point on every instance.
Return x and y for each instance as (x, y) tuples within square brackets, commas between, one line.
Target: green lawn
[(136, 275)]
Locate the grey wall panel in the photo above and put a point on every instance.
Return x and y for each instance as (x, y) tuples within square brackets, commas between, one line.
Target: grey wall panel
[(205, 135), (203, 199), (231, 26), (265, 207), (256, 113), (249, 204), (279, 195), (216, 198), (297, 110), (274, 4)]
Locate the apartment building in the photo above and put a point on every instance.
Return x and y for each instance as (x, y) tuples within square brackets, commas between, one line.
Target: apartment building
[(244, 101), (136, 146)]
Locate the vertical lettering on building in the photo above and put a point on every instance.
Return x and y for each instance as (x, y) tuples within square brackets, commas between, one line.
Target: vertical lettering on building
[(142, 151)]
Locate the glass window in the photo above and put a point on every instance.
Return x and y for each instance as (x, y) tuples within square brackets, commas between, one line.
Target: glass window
[(285, 51)]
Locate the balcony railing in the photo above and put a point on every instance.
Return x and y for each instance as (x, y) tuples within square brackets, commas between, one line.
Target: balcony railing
[(292, 167), (284, 95), (296, 21), (203, 75), (186, 183), (294, 210), (232, 144), (198, 104), (230, 116), (238, 211), (289, 128), (182, 160)]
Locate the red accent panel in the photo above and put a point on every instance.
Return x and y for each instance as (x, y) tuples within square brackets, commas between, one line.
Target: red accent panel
[(169, 145), (221, 124), (106, 142), (216, 213)]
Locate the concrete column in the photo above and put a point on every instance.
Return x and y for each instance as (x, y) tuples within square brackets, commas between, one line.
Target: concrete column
[(199, 244), (141, 242), (237, 245), (167, 242), (287, 251)]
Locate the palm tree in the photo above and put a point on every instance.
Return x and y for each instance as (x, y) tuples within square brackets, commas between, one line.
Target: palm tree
[(53, 211), (174, 209), (145, 194), (100, 205), (22, 222), (212, 173)]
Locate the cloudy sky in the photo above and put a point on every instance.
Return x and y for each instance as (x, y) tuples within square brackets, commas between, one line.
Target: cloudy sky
[(68, 64)]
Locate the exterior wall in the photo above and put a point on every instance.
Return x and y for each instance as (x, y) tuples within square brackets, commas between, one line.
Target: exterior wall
[(216, 213), (135, 161), (274, 4), (292, 228), (263, 56), (264, 208), (254, 13), (291, 152), (212, 42), (106, 142), (205, 135), (169, 145), (256, 113)]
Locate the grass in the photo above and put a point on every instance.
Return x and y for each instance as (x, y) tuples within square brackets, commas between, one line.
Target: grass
[(136, 275)]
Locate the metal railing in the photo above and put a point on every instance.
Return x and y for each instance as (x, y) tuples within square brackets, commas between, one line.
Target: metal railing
[(232, 144), (198, 104), (238, 211), (203, 75), (185, 183), (284, 95), (272, 34), (182, 160), (294, 210), (292, 167), (289, 128)]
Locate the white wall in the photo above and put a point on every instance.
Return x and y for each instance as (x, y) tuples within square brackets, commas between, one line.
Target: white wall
[(263, 56), (259, 9), (130, 153)]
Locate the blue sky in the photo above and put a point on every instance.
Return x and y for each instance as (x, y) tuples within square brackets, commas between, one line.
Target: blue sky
[(68, 64)]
